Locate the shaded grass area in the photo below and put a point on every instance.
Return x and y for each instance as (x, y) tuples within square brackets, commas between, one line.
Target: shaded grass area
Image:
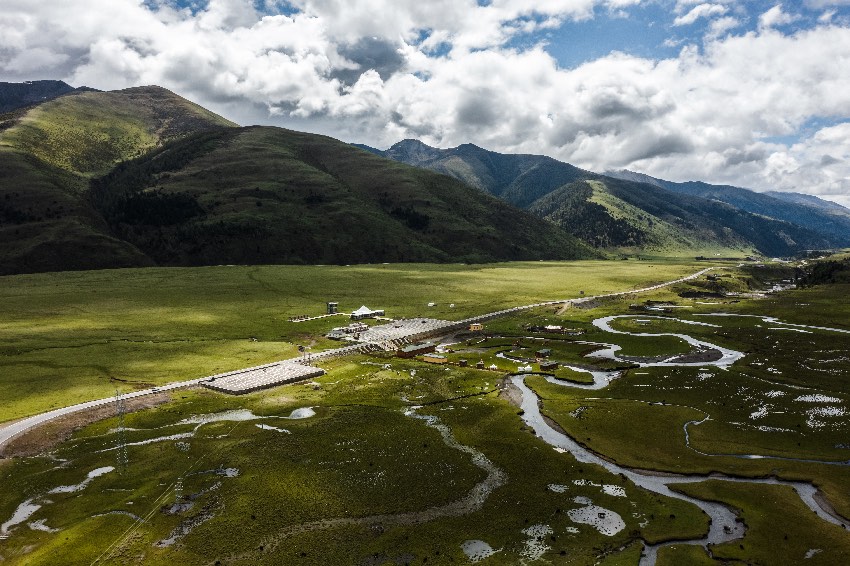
[(270, 195), (70, 337), (684, 554)]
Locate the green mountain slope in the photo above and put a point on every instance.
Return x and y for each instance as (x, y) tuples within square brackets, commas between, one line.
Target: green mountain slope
[(810, 200), (47, 224), (47, 153), (269, 195), (90, 132), (613, 213), (624, 214), (143, 177)]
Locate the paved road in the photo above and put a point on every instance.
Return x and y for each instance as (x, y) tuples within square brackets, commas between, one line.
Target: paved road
[(10, 431)]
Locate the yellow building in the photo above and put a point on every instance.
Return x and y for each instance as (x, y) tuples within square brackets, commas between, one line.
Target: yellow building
[(434, 359)]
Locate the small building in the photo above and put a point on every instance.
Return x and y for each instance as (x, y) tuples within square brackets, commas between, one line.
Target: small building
[(463, 363), (553, 329), (476, 327), (548, 365), (494, 367), (543, 353), (336, 334), (366, 312), (435, 358), (333, 308), (412, 350), (480, 364)]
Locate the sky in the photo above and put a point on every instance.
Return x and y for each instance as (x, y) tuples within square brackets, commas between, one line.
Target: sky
[(750, 93)]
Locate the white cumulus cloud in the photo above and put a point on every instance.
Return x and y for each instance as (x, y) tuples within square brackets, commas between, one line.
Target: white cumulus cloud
[(448, 72), (700, 11)]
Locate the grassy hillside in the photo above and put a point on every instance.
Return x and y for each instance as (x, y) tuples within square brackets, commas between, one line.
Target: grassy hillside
[(47, 153), (598, 217), (614, 213), (518, 179), (269, 195), (90, 132)]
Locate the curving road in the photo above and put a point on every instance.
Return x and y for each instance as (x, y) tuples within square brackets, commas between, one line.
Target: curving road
[(12, 430)]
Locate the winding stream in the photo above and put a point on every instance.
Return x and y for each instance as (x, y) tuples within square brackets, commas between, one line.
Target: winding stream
[(723, 526), (728, 357)]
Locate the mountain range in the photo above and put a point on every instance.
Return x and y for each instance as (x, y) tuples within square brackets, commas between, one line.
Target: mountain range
[(142, 177), (632, 211)]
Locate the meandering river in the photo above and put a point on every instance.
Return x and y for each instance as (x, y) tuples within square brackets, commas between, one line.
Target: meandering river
[(723, 527)]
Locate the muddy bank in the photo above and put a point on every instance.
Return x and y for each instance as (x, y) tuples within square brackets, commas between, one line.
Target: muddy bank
[(510, 392), (49, 435)]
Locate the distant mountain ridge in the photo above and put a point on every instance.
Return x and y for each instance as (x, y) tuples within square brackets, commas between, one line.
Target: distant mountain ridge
[(19, 95), (143, 177), (517, 178), (809, 200), (807, 211), (632, 211)]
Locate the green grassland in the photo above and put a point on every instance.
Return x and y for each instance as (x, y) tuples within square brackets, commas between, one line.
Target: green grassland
[(87, 334)]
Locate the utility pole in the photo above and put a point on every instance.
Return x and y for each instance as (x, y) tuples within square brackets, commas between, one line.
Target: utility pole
[(121, 449)]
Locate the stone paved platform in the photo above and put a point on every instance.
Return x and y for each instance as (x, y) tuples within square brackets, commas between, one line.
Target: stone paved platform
[(261, 377)]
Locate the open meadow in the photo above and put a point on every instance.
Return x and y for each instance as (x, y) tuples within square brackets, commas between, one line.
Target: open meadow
[(75, 336)]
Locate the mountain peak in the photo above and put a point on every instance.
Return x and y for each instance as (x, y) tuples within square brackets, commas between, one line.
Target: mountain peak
[(413, 151)]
